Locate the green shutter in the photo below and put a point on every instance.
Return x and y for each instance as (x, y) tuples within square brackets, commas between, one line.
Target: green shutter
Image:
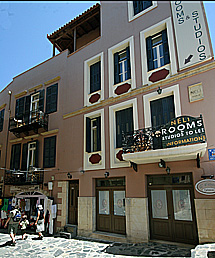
[(51, 98), (20, 107), (27, 109), (37, 154), (149, 53), (41, 100), (88, 134), (165, 47), (49, 154), (15, 156), (24, 156)]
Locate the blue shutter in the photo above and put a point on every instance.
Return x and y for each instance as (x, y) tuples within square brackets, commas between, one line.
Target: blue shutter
[(116, 68), (98, 133), (88, 134), (149, 53), (41, 100), (128, 62), (24, 156), (165, 47)]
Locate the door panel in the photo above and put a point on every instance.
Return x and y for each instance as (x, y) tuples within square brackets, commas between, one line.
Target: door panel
[(73, 202)]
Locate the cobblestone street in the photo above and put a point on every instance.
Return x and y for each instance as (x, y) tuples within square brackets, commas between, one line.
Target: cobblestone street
[(61, 247)]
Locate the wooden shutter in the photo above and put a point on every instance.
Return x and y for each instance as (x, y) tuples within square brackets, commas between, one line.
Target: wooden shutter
[(37, 154), (49, 154), (51, 98), (165, 47), (116, 68), (24, 156), (88, 134), (128, 63), (95, 77), (149, 53), (27, 109), (41, 100), (20, 107), (98, 133), (1, 120), (146, 4), (15, 156)]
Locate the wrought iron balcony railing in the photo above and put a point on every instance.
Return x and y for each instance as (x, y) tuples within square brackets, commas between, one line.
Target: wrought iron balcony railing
[(23, 177), (179, 131), (26, 122)]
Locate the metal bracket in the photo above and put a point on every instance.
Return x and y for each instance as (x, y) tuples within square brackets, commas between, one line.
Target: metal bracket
[(134, 166)]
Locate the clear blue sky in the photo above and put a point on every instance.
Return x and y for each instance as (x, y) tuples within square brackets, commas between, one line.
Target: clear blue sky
[(24, 26)]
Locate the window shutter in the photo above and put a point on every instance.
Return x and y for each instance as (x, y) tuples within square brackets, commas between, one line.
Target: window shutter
[(165, 47), (52, 151), (24, 156), (49, 152), (136, 7), (149, 53), (88, 134), (116, 68), (51, 98), (95, 77), (15, 156), (98, 133), (27, 109), (1, 120), (146, 4), (128, 62), (41, 100), (19, 110), (37, 154)]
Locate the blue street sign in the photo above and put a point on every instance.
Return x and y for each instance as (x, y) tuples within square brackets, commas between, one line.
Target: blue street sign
[(211, 154)]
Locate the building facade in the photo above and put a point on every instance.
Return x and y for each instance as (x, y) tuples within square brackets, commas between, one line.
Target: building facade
[(117, 128)]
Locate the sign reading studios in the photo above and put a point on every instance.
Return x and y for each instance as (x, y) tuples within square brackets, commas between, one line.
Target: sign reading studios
[(191, 34), (183, 130)]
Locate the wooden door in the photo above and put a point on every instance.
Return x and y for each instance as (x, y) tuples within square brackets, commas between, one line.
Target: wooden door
[(111, 210), (73, 202), (172, 216)]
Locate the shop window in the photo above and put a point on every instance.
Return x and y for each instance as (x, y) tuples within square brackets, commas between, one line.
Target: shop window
[(51, 98), (157, 50), (122, 66), (139, 6), (124, 124), (95, 77), (49, 154), (1, 119), (93, 134), (15, 156)]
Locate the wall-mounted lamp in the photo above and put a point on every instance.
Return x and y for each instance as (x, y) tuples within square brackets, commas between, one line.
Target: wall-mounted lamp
[(69, 175), (207, 176), (106, 174), (82, 171), (52, 178), (159, 90), (9, 92), (162, 164), (168, 170)]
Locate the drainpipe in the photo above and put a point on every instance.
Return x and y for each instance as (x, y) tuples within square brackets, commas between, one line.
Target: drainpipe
[(5, 162)]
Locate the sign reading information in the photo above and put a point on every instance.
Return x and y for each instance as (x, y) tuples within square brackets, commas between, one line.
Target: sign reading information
[(191, 33), (183, 130)]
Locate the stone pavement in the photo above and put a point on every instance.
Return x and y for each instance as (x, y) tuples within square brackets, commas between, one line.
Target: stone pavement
[(51, 247)]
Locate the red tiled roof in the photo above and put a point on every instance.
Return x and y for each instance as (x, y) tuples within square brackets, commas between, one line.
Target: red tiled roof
[(74, 20)]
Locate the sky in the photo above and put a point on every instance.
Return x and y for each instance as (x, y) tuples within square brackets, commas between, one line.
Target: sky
[(24, 26)]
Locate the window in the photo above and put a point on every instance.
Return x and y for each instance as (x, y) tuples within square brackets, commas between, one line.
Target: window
[(49, 154), (1, 119), (51, 98), (124, 124), (157, 50), (93, 134), (15, 156), (30, 155), (162, 111), (122, 66), (95, 77), (139, 6)]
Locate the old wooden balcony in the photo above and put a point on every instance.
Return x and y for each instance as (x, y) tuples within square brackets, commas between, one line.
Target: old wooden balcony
[(183, 138), (28, 123)]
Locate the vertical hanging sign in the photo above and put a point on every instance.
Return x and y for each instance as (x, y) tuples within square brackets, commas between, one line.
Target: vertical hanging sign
[(190, 31)]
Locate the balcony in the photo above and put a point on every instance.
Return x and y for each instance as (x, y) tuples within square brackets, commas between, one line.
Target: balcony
[(17, 177), (28, 122), (183, 138)]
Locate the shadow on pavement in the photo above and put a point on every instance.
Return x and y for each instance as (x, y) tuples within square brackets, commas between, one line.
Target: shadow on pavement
[(148, 250), (8, 243)]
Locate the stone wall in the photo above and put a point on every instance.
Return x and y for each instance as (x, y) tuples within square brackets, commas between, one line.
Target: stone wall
[(205, 215), (137, 221), (86, 215), (62, 205)]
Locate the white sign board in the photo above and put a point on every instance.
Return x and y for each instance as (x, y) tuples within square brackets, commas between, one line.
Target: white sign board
[(190, 32), (206, 187)]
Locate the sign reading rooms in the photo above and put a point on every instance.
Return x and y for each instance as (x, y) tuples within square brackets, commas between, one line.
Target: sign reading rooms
[(183, 130)]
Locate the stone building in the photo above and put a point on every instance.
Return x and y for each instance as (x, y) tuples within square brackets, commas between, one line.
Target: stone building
[(117, 128)]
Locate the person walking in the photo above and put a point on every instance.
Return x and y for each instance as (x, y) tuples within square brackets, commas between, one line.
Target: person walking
[(40, 221), (24, 222), (13, 221)]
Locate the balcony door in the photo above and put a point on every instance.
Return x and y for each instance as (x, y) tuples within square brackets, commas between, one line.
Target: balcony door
[(172, 215), (34, 107)]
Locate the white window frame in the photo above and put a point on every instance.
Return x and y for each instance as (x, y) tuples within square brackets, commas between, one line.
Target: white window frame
[(131, 15), (101, 164), (32, 102), (87, 64), (165, 24), (114, 163), (33, 149), (173, 90), (111, 51)]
